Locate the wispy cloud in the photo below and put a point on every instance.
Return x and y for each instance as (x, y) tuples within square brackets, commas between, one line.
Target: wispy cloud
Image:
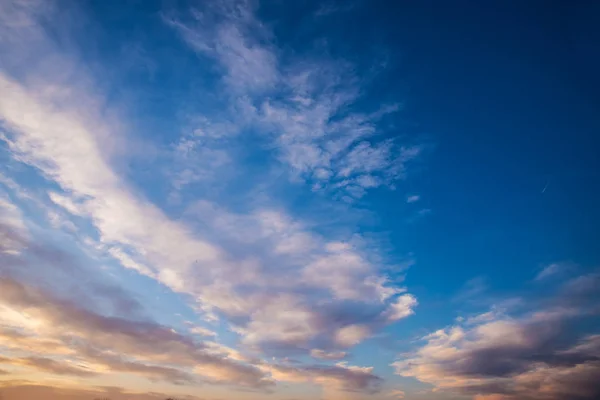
[(328, 8), (552, 270), (472, 289), (304, 105)]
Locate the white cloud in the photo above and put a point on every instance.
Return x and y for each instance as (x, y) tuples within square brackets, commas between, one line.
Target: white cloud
[(351, 335), (59, 141), (67, 203), (344, 273), (402, 307), (301, 105), (128, 262), (198, 330), (283, 320)]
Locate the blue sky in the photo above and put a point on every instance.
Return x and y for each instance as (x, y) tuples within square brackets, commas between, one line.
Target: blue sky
[(299, 200)]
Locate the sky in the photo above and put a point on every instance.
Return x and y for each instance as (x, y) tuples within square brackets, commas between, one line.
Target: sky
[(239, 199)]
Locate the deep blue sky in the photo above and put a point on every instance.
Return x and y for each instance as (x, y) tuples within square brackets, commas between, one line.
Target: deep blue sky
[(511, 92)]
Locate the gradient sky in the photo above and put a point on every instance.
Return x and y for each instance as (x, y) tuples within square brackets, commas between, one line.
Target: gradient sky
[(299, 200)]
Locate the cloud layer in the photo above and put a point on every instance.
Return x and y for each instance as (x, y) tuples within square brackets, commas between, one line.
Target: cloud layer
[(274, 281), (181, 245)]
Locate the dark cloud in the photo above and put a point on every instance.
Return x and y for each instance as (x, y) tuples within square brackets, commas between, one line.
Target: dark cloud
[(538, 356), (537, 340)]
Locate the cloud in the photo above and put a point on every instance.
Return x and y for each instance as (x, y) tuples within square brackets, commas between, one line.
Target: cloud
[(340, 376), (127, 222), (12, 230), (287, 300), (14, 339), (413, 198), (140, 344), (342, 155), (63, 271), (401, 308), (241, 275), (351, 335), (397, 394), (324, 355), (550, 271), (328, 8), (49, 365), (188, 169), (223, 32), (27, 390), (106, 361), (198, 330), (344, 272), (583, 286), (534, 356), (471, 289), (275, 280), (303, 105)]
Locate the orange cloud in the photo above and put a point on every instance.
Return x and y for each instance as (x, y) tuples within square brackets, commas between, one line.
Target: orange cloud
[(25, 390), (115, 344)]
